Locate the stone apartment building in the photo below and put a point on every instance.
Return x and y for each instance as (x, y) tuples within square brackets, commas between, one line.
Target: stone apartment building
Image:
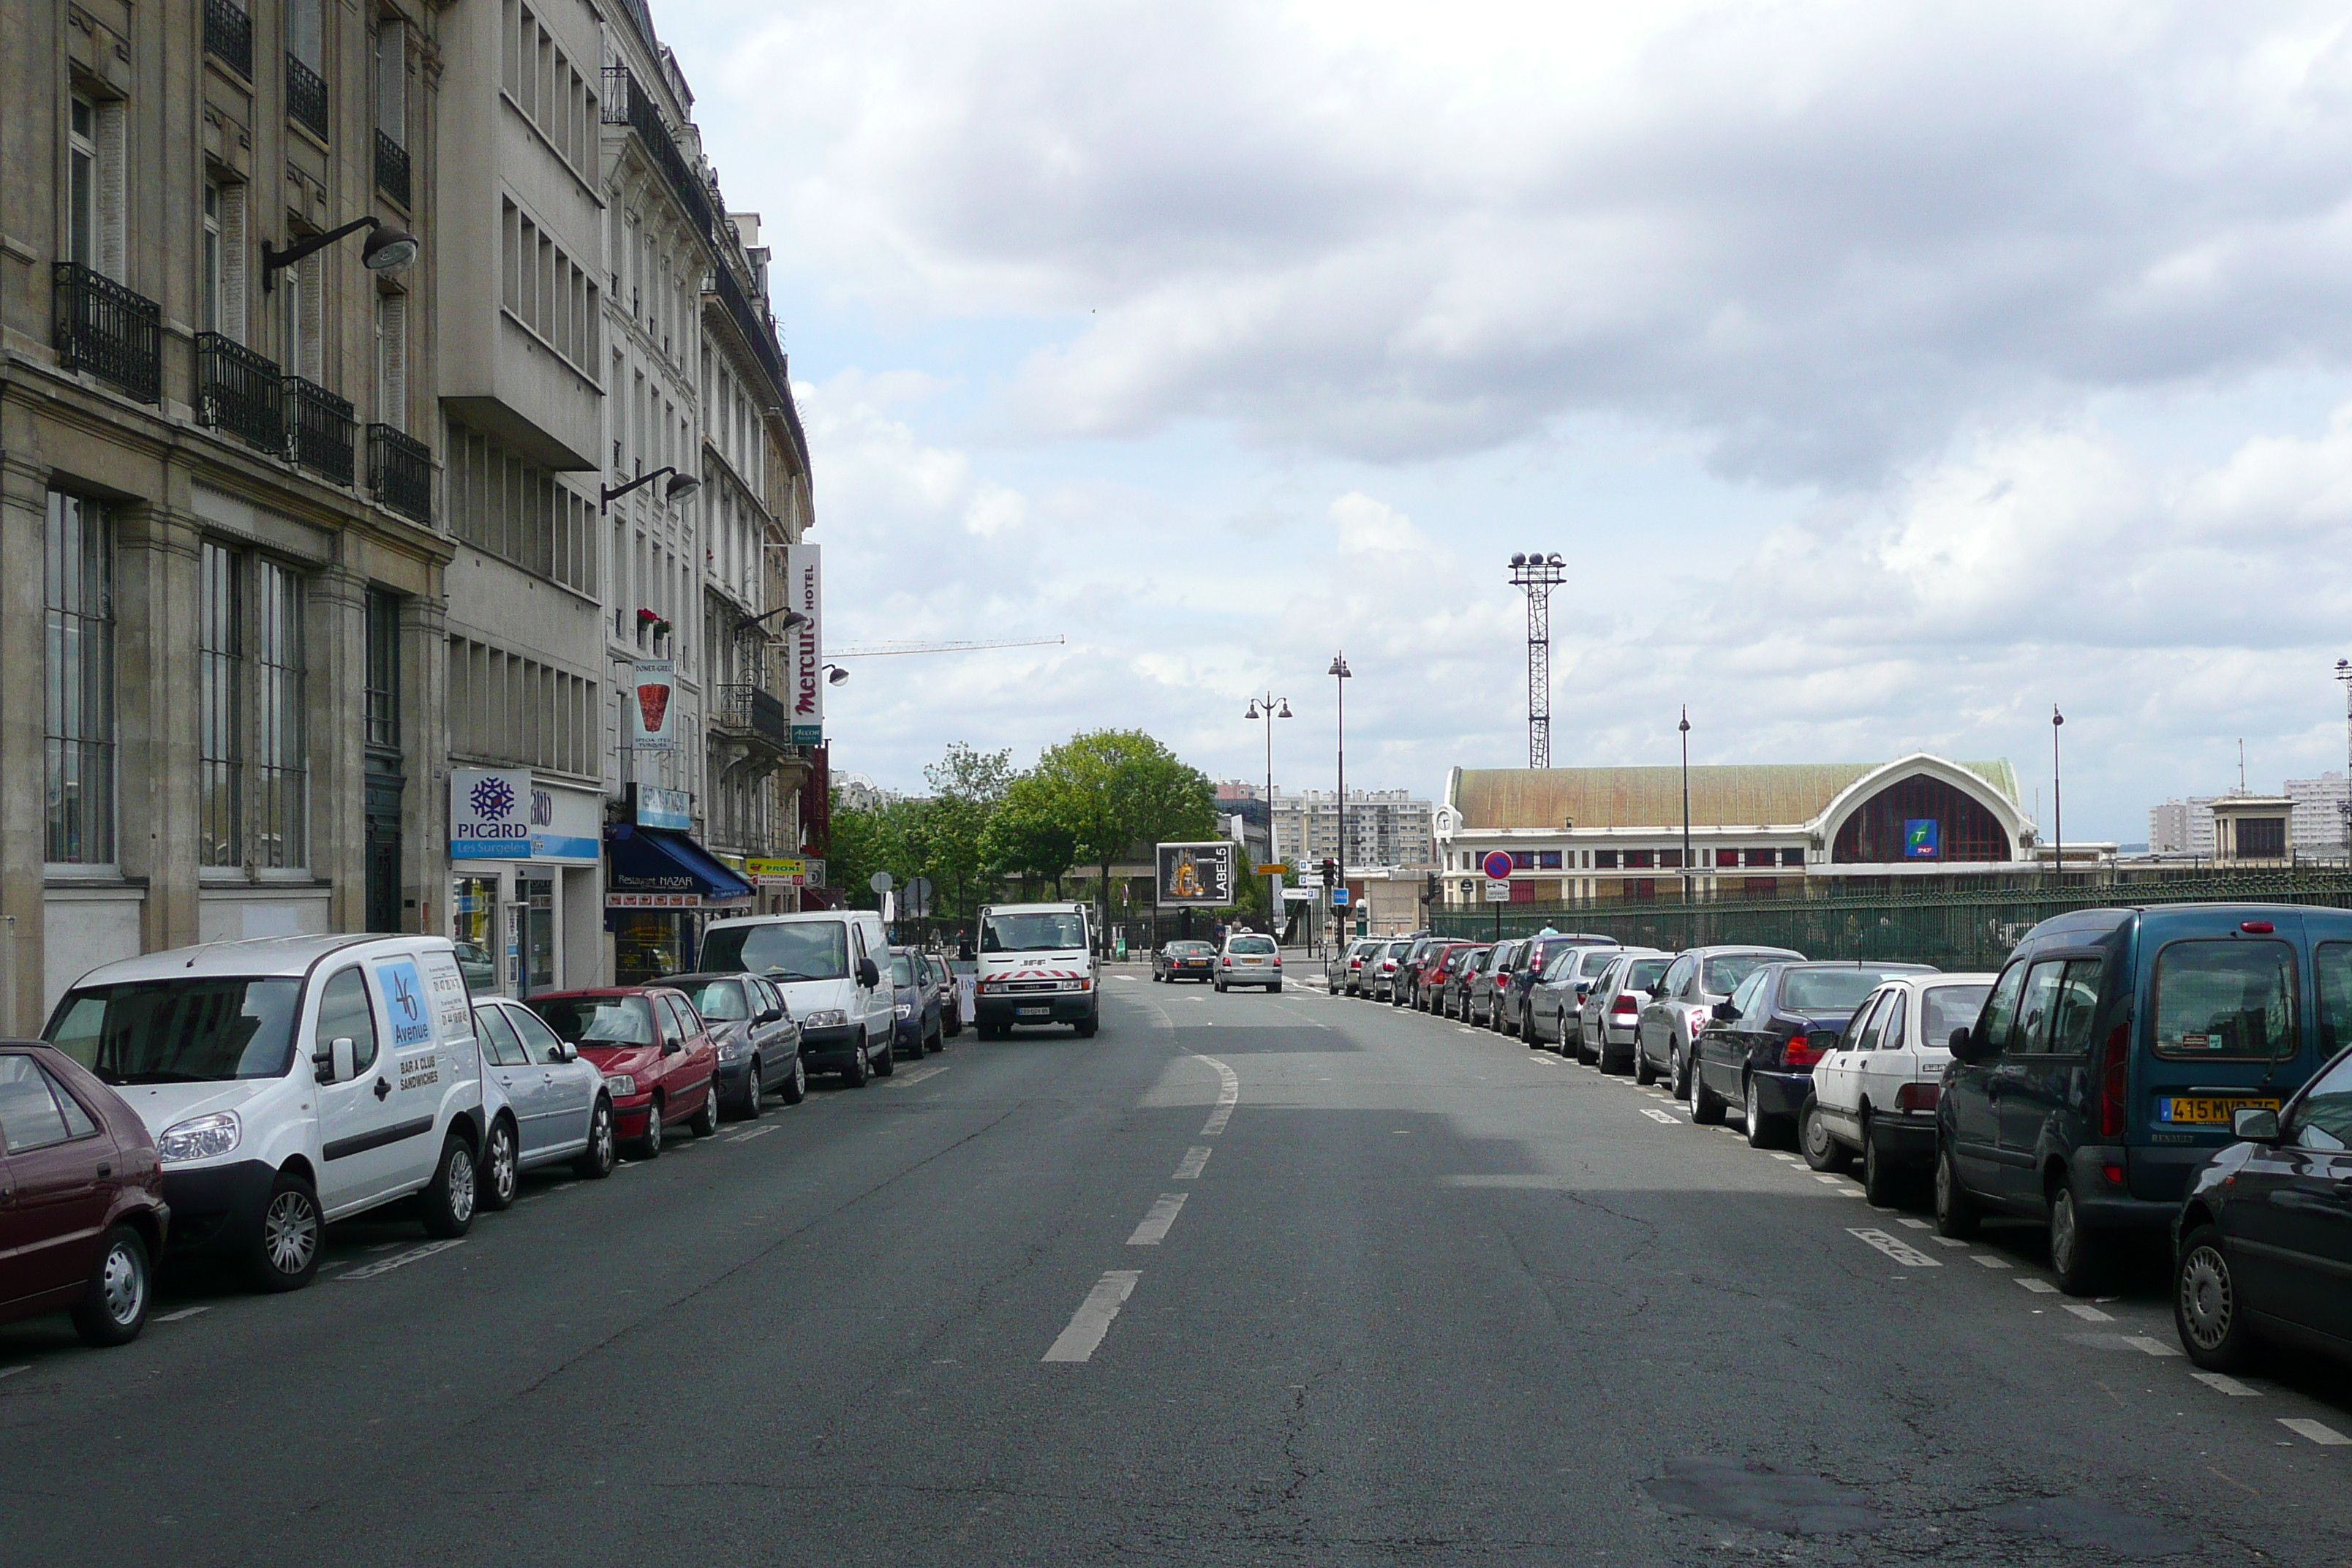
[(215, 347)]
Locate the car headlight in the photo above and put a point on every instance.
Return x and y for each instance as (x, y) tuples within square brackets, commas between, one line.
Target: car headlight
[(621, 1084), (905, 1009), (824, 1018), (200, 1137), (730, 1051)]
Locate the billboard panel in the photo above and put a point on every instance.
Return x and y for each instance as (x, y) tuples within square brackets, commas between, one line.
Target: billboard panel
[(1197, 875)]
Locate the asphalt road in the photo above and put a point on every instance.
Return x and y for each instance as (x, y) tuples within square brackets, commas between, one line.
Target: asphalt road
[(1244, 1279)]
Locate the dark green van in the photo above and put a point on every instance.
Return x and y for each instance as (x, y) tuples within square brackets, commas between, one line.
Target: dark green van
[(2109, 1054)]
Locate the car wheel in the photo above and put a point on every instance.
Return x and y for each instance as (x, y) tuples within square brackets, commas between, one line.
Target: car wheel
[(501, 1168), (650, 1147), (1877, 1179), (450, 1198), (753, 1092), (889, 1064), (1644, 1073), (1956, 1214), (1218, 986), (596, 1161), (938, 1042), (1706, 1107), (1678, 1083), (858, 1070), (113, 1307), (291, 1230), (1275, 989), (796, 1087), (2078, 1255), (1820, 1150), (1092, 1022), (2205, 1306), (705, 1121), (1763, 1131)]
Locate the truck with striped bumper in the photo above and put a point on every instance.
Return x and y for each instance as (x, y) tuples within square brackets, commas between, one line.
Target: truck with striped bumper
[(1038, 967)]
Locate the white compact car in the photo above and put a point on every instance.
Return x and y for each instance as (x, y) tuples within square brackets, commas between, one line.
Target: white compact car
[(1876, 1093), (289, 1081)]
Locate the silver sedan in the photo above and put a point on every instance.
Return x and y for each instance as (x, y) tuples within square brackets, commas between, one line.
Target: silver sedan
[(544, 1101)]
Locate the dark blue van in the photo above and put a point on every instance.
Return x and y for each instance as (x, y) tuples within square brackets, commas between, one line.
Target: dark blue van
[(2105, 1063)]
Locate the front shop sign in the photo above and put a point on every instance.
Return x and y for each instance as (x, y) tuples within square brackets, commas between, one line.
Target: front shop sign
[(653, 717), (489, 813)]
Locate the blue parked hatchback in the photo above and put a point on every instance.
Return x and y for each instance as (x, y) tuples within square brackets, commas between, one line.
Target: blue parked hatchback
[(2111, 1053)]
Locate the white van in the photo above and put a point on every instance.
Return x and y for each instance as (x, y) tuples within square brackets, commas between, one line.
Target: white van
[(290, 1081), (829, 965), (1037, 965)]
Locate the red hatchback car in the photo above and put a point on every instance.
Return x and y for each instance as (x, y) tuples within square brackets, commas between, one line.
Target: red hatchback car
[(657, 1057), (81, 1197)]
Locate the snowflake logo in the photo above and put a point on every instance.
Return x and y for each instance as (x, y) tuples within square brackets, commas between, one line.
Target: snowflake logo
[(492, 799)]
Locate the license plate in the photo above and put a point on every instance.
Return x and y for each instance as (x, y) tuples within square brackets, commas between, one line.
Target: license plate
[(1034, 1012), (2184, 1111)]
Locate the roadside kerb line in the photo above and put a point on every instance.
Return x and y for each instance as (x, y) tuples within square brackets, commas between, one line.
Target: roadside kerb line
[(747, 1137), (182, 1315), (13, 1370), (2319, 1432), (1894, 1246), (1092, 1320), (401, 1260), (910, 1079), (1229, 1094), (1190, 1169), (1659, 1116)]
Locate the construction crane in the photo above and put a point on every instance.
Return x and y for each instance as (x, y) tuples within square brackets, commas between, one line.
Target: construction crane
[(887, 650)]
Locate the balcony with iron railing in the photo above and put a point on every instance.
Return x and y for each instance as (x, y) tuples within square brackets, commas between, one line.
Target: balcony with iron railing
[(241, 392), (627, 103), (229, 35), (392, 168), (105, 329), (400, 471), (756, 327), (319, 429), (306, 95), (751, 712)]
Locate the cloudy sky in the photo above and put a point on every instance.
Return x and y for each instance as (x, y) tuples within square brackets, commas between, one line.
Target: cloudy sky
[(1886, 373)]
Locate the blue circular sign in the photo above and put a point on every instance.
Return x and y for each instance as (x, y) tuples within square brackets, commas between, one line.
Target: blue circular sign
[(1497, 863)]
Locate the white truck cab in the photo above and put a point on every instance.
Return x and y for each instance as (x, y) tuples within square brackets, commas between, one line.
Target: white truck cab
[(1037, 965), (290, 1081)]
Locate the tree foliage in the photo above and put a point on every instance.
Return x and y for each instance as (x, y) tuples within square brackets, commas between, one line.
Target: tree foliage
[(1120, 790)]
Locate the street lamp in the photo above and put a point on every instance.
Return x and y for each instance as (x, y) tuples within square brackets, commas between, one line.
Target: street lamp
[(834, 675), (2344, 674), (1340, 672), (680, 486), (2057, 806), (1263, 708), (387, 248), (1685, 727)]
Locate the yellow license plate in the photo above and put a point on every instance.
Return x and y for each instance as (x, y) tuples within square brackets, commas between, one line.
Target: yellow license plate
[(2203, 1113)]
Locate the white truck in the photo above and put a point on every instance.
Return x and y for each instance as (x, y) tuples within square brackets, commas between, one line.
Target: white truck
[(1037, 965)]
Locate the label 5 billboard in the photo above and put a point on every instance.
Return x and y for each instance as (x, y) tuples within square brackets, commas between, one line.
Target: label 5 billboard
[(1200, 874)]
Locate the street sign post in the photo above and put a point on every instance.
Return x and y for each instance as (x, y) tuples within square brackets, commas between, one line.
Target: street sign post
[(1499, 892), (1275, 868), (1338, 898), (1497, 865)]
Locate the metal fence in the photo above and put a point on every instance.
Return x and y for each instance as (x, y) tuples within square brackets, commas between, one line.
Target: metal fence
[(1965, 924)]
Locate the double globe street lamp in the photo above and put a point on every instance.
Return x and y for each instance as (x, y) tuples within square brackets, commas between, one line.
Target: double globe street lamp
[(1265, 708)]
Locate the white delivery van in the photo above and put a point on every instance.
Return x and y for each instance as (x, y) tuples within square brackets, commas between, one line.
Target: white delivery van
[(289, 1081), (829, 965), (1037, 965)]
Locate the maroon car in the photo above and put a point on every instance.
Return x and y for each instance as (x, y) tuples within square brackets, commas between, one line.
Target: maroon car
[(82, 1216), (657, 1057)]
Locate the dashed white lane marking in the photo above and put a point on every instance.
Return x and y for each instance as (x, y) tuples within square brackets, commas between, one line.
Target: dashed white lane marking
[(1229, 1094), (2151, 1347), (1659, 1116), (1162, 1215), (1989, 1261), (1785, 1158), (13, 1370), (401, 1260), (2223, 1383), (1190, 1168), (1092, 1320), (1949, 1241), (1909, 1224), (747, 1137), (1827, 1181), (1894, 1246), (182, 1314), (2039, 1287), (2319, 1432), (2088, 1314), (910, 1081)]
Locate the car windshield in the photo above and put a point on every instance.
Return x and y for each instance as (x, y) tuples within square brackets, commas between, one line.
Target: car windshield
[(597, 1020), (1255, 944), (1044, 932), (902, 970), (1645, 972), (722, 1002), (1596, 960), (1398, 949), (1722, 975), (1192, 949), (180, 1031), (1943, 1008), (790, 950), (1829, 990)]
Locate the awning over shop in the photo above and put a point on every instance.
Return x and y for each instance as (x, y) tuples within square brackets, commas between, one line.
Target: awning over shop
[(651, 867)]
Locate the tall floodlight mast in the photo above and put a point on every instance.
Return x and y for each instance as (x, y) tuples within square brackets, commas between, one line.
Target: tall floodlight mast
[(1538, 574)]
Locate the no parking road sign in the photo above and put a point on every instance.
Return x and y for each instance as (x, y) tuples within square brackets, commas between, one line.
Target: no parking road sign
[(1497, 865)]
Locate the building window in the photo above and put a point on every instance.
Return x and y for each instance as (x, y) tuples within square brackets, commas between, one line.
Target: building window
[(2262, 838), (1605, 860), (79, 755), (1877, 832), (220, 290), (1641, 859), (250, 657), (519, 511), (81, 184), (514, 712), (382, 673), (209, 259), (392, 360)]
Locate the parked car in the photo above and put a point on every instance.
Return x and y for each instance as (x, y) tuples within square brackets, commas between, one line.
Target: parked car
[(1608, 1024), (1481, 997), (289, 1081), (1185, 960), (1343, 966), (1550, 1013), (824, 965), (1758, 1046), (2111, 1055), (1380, 971), (916, 1027), (1249, 959), (1402, 994), (544, 1102), (759, 1039), (90, 1220), (2264, 1240), (1428, 971), (1450, 997), (1682, 1002), (659, 1062), (951, 996), (1528, 969), (1876, 1092), (474, 962)]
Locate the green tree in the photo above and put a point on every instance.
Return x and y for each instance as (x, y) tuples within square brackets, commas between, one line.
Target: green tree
[(1119, 791), (1025, 836), (952, 828)]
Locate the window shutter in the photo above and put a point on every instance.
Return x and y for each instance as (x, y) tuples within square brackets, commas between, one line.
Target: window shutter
[(111, 150), (392, 360), (391, 79), (233, 261)]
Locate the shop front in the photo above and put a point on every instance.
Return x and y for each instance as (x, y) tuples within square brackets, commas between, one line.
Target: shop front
[(660, 888), (524, 863)]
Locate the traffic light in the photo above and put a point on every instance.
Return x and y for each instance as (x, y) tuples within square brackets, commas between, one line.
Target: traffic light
[(1433, 894), (1330, 873)]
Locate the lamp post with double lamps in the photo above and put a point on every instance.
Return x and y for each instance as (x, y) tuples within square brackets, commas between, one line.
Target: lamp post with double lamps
[(1270, 708)]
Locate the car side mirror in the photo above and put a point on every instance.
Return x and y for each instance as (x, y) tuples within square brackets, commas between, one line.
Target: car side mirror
[(1654, 993), (565, 1051), (2254, 1124), (335, 1062), (770, 1015), (671, 1048), (1725, 1012), (869, 975), (1963, 1044)]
